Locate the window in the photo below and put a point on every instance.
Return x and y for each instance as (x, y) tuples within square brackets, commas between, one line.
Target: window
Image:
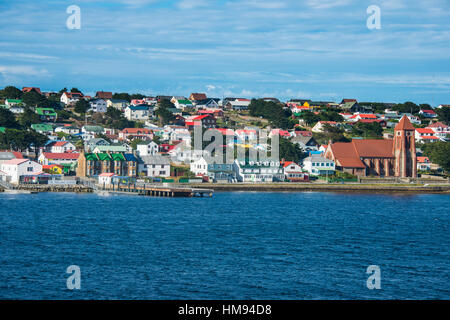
[(30, 169)]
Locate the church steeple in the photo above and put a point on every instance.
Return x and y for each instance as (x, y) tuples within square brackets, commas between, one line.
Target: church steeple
[(404, 149)]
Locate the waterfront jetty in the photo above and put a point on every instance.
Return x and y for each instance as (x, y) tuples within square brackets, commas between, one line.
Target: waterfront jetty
[(157, 191)]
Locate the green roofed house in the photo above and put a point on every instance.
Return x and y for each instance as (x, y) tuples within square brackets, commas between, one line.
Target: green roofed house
[(94, 164), (13, 102), (183, 104), (2, 129), (46, 114), (42, 127)]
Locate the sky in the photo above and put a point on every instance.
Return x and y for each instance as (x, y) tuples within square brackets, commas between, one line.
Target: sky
[(309, 49)]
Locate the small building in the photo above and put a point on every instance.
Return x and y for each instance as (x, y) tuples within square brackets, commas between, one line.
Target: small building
[(293, 172), (260, 171), (15, 170), (67, 129), (60, 146), (106, 179), (147, 148), (44, 128), (155, 166), (183, 104), (70, 98), (425, 135), (423, 164), (199, 167), (105, 95), (65, 159), (117, 104), (317, 165), (137, 113), (221, 172), (320, 126), (97, 105), (440, 129), (46, 114), (428, 113), (13, 102), (136, 133)]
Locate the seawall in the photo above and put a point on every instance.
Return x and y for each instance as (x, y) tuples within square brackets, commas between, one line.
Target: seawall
[(307, 187)]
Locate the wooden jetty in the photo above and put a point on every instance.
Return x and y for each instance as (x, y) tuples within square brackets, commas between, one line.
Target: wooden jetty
[(157, 191)]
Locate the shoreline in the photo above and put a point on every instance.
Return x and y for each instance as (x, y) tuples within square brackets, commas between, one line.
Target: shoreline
[(344, 188), (272, 187)]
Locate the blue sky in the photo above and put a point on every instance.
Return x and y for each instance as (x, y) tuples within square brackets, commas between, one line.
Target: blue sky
[(319, 49)]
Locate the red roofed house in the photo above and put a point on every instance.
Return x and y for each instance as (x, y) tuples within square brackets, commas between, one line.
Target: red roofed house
[(425, 135), (387, 157), (71, 98), (60, 147), (428, 113), (279, 132), (197, 96), (136, 133), (103, 95), (206, 121), (359, 116), (423, 164), (66, 158), (293, 172), (441, 130), (30, 89)]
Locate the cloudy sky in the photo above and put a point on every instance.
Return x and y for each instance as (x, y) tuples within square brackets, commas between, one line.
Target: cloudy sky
[(319, 49)]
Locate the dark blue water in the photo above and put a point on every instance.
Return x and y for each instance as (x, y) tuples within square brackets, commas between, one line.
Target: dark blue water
[(231, 246)]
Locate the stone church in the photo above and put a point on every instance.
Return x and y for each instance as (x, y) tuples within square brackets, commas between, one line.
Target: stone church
[(384, 157)]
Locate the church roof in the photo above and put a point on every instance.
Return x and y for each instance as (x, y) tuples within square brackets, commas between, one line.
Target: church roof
[(404, 124), (373, 148)]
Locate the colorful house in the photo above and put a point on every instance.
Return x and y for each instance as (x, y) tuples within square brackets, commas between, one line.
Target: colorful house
[(46, 114)]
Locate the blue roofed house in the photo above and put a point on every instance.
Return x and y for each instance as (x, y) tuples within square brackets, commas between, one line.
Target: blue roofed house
[(139, 112)]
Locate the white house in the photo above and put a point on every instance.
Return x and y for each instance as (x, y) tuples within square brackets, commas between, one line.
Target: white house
[(425, 135), (440, 129), (65, 158), (318, 165), (105, 179), (294, 172), (183, 104), (139, 112), (147, 148), (60, 147), (117, 103), (155, 166), (428, 113), (98, 105), (67, 129), (320, 125), (199, 167), (70, 97), (12, 170), (263, 171)]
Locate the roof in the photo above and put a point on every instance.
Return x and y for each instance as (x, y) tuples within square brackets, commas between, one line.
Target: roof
[(62, 155), (424, 130), (198, 96), (29, 89), (438, 125), (423, 159), (15, 161), (130, 157), (345, 155), (373, 148), (136, 131), (50, 111), (429, 138), (104, 157), (8, 155), (111, 148), (139, 108), (318, 158), (156, 159), (107, 174), (404, 124), (428, 111), (184, 101), (104, 95)]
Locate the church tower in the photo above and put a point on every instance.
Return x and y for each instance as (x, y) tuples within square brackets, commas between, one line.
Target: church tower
[(404, 149)]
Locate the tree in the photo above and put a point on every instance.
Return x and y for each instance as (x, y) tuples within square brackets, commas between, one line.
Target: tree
[(439, 153), (367, 130), (33, 98), (290, 151), (407, 107), (7, 119), (122, 96), (163, 113), (274, 112), (28, 117), (21, 140), (81, 106), (135, 142), (11, 92), (63, 90), (75, 90), (333, 133), (113, 113), (444, 114)]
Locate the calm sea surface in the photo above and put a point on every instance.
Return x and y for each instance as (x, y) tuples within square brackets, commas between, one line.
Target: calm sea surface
[(232, 246)]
